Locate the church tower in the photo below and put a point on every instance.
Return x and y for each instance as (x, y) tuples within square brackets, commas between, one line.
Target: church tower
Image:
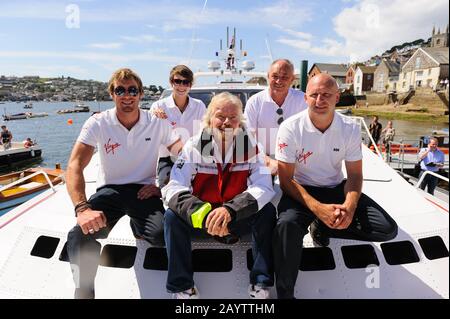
[(439, 40)]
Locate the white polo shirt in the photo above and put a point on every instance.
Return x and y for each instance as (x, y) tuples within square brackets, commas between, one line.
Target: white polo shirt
[(186, 124), (126, 156), (318, 156), (261, 115)]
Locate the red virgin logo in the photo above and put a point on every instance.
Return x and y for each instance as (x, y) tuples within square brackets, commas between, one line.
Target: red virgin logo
[(281, 146), (303, 156), (110, 147)]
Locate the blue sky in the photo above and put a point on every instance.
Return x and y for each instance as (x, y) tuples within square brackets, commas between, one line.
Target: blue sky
[(50, 38)]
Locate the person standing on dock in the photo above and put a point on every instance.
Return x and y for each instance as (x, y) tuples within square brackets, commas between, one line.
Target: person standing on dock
[(6, 138), (431, 159), (389, 133), (375, 130)]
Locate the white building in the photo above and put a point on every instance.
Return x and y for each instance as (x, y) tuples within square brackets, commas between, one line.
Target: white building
[(426, 68)]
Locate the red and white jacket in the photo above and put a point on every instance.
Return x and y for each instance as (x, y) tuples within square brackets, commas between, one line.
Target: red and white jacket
[(242, 183)]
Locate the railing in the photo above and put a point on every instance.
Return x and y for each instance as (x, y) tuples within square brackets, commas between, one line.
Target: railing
[(21, 180), (361, 120), (430, 173), (401, 152)]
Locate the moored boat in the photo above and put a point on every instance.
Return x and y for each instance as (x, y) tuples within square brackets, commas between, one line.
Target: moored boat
[(18, 116), (17, 154), (18, 187)]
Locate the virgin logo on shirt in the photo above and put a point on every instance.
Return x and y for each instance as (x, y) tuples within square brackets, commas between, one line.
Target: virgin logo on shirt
[(303, 156), (173, 123), (281, 146), (111, 147)]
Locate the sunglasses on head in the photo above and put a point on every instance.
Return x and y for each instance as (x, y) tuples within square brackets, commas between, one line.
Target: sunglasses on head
[(120, 91), (280, 113), (180, 81)]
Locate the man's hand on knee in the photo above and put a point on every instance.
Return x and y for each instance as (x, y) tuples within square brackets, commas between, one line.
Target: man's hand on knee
[(91, 221), (345, 218), (329, 214), (217, 222), (148, 191)]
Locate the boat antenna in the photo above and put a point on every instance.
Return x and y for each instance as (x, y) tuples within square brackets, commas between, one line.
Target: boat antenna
[(194, 35), (268, 48)]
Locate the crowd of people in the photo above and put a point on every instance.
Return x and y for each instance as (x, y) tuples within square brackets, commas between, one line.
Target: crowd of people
[(215, 170)]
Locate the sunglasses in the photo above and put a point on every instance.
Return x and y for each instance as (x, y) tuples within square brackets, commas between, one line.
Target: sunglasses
[(121, 91), (180, 81), (280, 113)]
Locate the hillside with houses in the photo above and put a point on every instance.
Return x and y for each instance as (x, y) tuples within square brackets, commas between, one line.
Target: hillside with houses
[(412, 76)]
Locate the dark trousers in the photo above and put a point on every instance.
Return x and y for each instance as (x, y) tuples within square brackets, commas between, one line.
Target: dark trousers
[(429, 181), (115, 201), (370, 223), (178, 235), (375, 139)]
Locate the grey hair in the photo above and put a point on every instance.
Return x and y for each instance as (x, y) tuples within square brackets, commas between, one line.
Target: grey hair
[(288, 62), (221, 99)]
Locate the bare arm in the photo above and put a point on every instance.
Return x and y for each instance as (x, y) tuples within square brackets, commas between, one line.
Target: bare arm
[(79, 159), (353, 186), (272, 164), (89, 220), (176, 147), (327, 213)]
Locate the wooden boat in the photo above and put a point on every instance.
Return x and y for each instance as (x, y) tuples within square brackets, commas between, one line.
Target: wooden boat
[(30, 186)]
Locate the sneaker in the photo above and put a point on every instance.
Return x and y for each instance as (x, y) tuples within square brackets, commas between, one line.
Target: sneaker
[(191, 293), (258, 292), (320, 238)]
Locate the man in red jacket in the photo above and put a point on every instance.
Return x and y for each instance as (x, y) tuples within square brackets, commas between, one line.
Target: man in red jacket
[(219, 186)]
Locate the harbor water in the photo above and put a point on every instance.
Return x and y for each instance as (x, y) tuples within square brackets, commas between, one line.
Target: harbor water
[(56, 134)]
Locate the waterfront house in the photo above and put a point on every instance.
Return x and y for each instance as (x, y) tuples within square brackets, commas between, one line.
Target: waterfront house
[(363, 81), (386, 76), (426, 68), (338, 71)]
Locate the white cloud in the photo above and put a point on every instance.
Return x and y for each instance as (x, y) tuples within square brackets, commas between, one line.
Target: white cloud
[(143, 38), (367, 28), (297, 34), (169, 16), (106, 46)]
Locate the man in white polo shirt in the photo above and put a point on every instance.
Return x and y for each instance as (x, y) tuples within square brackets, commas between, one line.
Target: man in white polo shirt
[(126, 139), (266, 110), (311, 147)]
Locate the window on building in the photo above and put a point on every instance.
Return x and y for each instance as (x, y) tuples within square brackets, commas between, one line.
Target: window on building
[(369, 76), (358, 79), (419, 73), (429, 71), (403, 84), (418, 63), (438, 41)]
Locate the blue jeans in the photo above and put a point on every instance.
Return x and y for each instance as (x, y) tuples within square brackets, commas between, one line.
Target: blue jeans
[(178, 235), (429, 181)]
